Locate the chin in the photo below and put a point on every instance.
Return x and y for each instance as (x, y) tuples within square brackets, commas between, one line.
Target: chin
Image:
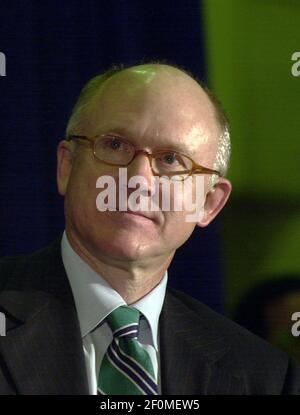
[(122, 248)]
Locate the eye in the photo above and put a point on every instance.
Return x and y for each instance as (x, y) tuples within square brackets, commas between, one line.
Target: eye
[(113, 143), (170, 158), (174, 159)]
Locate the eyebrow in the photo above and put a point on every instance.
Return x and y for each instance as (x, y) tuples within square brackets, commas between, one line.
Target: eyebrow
[(129, 137)]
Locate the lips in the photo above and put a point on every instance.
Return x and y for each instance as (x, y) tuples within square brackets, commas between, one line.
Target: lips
[(142, 214), (148, 215)]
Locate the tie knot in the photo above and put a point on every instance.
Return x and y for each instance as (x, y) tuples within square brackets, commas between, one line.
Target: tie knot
[(124, 321)]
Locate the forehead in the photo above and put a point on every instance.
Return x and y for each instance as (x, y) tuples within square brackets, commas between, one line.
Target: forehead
[(166, 104)]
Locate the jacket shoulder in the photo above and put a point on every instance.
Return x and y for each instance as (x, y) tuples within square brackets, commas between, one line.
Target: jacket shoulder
[(265, 368), (221, 325), (17, 270)]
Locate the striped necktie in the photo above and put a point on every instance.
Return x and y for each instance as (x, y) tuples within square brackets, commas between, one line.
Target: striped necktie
[(126, 368)]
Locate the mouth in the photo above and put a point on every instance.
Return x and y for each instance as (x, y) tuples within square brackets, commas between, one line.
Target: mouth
[(153, 216)]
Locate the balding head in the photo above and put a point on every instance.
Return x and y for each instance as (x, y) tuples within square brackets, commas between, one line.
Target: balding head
[(156, 81)]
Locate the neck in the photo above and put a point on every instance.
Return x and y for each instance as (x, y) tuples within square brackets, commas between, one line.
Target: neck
[(131, 279)]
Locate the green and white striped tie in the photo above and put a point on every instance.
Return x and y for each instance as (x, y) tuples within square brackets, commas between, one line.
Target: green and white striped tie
[(126, 368)]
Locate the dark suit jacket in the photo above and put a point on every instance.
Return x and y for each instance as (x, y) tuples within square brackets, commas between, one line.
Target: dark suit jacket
[(201, 351)]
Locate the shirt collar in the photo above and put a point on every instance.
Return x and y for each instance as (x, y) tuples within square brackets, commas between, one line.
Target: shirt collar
[(95, 298)]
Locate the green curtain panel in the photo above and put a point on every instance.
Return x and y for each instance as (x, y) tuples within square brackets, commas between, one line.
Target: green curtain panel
[(249, 48)]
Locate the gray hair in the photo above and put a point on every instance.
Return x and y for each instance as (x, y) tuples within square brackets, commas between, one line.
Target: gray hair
[(87, 93), (223, 152)]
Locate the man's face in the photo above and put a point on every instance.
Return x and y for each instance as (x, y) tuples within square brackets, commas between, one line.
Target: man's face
[(153, 110)]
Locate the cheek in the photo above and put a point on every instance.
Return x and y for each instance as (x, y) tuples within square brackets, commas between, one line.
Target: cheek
[(188, 196), (81, 192), (176, 229)]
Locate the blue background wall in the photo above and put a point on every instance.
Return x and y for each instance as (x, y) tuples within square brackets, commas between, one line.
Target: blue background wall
[(52, 48)]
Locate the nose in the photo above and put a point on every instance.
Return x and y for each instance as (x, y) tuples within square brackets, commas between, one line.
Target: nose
[(141, 166)]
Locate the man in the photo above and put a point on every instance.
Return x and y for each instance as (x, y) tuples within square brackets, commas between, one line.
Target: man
[(64, 304)]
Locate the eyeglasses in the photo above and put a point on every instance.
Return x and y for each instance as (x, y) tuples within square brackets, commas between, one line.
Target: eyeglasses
[(116, 151)]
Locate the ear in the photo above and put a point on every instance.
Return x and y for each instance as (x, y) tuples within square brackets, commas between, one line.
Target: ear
[(215, 200), (64, 166)]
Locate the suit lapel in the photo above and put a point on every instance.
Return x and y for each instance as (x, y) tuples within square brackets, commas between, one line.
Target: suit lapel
[(194, 358), (42, 349)]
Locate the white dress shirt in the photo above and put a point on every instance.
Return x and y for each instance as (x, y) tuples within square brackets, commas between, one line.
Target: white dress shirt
[(95, 299)]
